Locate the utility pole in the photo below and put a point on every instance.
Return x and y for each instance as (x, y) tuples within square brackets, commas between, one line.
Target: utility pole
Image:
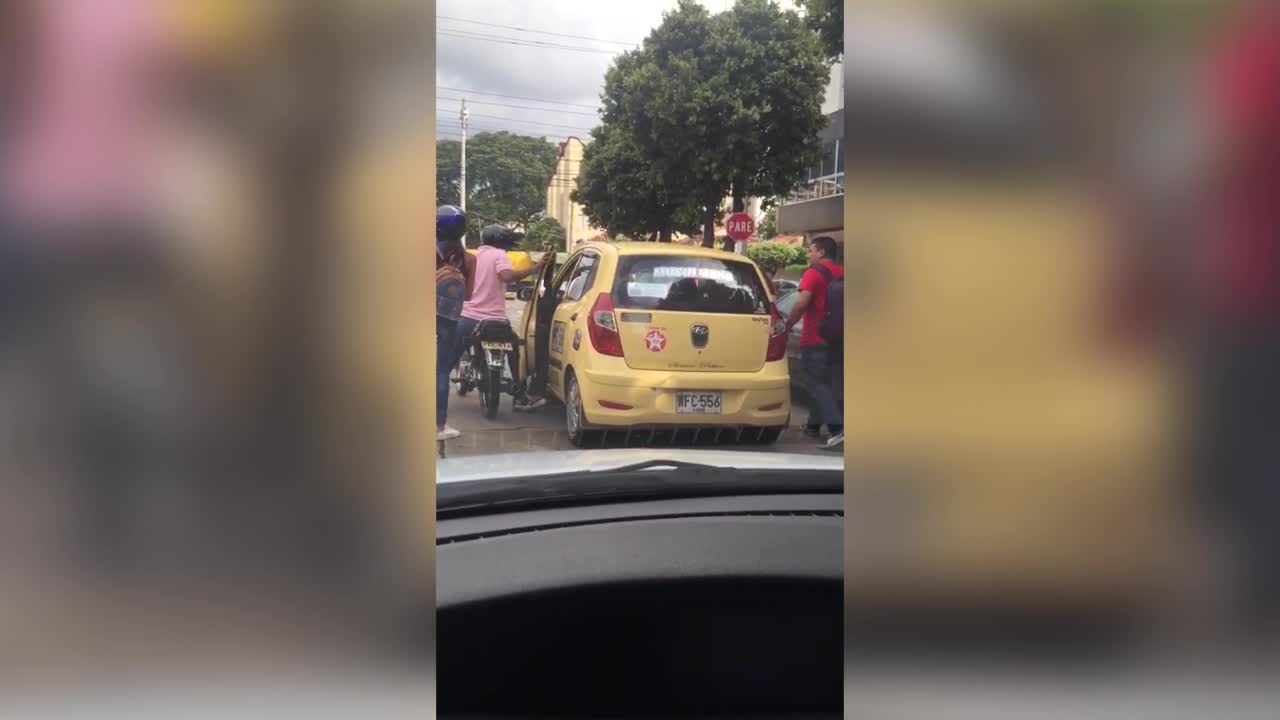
[(462, 196)]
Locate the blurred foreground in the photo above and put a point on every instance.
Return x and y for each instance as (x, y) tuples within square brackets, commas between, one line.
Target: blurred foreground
[(1065, 258), (211, 267), (214, 398)]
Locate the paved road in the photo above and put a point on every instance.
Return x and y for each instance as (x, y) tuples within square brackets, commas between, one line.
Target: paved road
[(544, 428)]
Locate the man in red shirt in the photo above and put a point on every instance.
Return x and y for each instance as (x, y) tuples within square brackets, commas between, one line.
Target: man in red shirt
[(1242, 415), (822, 365)]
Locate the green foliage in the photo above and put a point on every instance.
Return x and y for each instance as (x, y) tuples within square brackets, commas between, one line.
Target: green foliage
[(799, 256), (826, 18), (506, 178), (620, 191), (545, 234), (448, 162), (716, 105), (771, 257), (768, 228)]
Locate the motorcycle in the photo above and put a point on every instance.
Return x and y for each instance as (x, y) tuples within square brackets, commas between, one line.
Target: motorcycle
[(484, 365)]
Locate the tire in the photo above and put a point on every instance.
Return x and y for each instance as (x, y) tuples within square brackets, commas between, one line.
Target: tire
[(464, 370), (769, 436), (575, 416), (491, 393)]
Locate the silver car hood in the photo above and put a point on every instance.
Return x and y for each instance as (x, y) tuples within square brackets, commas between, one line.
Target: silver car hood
[(536, 464)]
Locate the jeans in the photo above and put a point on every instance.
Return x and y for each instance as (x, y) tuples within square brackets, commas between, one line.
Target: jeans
[(446, 341), (823, 377)]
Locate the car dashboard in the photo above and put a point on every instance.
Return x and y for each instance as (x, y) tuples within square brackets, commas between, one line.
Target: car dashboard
[(726, 605)]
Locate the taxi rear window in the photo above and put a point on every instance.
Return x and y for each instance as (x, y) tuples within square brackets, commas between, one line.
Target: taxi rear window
[(689, 284)]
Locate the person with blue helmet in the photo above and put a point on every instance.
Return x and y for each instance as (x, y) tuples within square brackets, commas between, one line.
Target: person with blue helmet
[(455, 275)]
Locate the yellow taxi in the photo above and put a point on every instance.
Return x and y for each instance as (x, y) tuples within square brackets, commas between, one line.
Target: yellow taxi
[(520, 260), (660, 342)]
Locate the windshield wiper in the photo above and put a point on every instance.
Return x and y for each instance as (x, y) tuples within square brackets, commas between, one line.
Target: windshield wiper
[(673, 464), (656, 479)]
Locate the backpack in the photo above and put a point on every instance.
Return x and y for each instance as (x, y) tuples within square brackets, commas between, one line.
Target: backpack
[(831, 327), (451, 289)]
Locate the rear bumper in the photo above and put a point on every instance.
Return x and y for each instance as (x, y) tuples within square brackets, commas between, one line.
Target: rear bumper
[(636, 399)]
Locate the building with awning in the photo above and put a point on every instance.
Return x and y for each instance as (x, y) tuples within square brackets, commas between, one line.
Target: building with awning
[(816, 206)]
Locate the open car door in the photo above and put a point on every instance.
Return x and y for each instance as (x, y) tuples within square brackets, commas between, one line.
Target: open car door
[(537, 314)]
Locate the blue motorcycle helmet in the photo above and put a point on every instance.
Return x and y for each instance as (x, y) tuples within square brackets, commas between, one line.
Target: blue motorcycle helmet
[(451, 223)]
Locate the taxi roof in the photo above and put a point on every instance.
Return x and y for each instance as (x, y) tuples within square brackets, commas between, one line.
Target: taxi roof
[(660, 248)]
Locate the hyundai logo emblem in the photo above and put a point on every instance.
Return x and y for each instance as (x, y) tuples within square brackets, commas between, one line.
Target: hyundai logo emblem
[(700, 334)]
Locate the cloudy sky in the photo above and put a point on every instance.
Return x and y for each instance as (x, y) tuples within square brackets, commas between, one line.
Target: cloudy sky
[(534, 67)]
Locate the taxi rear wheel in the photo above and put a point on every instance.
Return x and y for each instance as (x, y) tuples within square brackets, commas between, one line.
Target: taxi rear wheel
[(575, 418), (768, 436)]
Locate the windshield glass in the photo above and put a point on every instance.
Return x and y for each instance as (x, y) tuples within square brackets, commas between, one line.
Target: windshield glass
[(689, 284)]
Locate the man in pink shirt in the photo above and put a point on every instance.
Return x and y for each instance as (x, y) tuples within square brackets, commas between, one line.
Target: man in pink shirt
[(493, 271)]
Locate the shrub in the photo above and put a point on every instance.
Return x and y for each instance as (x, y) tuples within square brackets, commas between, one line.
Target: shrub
[(770, 256), (799, 255)]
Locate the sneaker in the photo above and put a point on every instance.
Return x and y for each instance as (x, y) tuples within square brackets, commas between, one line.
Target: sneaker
[(447, 433), (813, 431), (530, 404), (832, 443)]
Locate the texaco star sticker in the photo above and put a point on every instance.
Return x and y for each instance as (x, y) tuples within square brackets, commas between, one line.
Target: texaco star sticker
[(655, 341)]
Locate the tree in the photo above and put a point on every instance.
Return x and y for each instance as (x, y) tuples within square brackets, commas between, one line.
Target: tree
[(506, 177), (545, 233), (768, 228), (448, 161), (620, 191), (729, 104), (826, 18)]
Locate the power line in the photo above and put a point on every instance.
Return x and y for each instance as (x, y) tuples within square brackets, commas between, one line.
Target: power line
[(522, 43), (534, 122), (523, 132), (519, 107), (529, 30), (514, 97), (487, 125), (518, 120)]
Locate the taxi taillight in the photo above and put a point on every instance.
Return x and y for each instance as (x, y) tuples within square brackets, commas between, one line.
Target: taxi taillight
[(777, 336), (602, 327)]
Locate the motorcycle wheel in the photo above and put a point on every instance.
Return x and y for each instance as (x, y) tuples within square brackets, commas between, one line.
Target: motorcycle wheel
[(491, 393), (464, 375)]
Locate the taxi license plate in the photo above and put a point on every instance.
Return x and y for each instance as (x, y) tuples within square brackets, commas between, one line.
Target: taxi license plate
[(497, 346), (698, 403)]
